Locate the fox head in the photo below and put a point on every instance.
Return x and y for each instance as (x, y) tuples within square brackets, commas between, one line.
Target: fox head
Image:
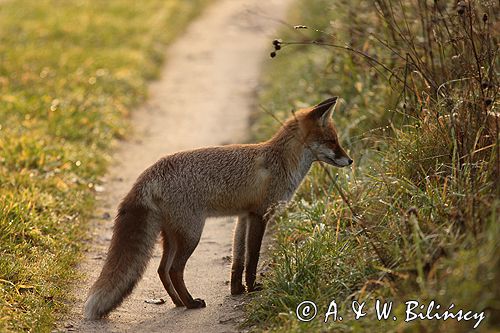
[(320, 136)]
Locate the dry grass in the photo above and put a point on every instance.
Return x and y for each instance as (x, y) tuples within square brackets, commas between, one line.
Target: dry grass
[(420, 215)]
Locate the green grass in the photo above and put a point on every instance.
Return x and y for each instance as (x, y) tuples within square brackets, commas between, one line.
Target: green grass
[(70, 72), (424, 187)]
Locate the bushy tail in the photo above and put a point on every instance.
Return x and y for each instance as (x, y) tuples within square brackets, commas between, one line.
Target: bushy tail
[(134, 236)]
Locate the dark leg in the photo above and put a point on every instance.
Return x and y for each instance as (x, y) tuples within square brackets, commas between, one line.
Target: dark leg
[(255, 231), (169, 249), (186, 243), (238, 265)]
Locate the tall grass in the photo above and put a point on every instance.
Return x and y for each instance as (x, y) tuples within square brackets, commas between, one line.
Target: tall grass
[(419, 217)]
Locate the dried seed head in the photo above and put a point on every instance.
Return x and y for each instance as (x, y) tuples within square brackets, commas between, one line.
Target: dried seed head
[(412, 211), (488, 101), (300, 27), (461, 7), (485, 17), (486, 85), (277, 42), (277, 47), (273, 54)]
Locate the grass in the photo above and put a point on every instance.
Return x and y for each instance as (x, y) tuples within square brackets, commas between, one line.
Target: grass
[(70, 72), (418, 118)]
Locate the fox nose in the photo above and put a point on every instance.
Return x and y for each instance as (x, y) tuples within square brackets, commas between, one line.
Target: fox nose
[(350, 161)]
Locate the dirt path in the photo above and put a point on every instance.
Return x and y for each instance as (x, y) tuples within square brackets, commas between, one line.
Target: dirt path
[(204, 97)]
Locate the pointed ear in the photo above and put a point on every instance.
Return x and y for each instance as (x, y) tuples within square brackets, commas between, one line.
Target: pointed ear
[(323, 111)]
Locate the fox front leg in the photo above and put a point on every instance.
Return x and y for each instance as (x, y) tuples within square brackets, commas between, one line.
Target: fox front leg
[(239, 240), (256, 226)]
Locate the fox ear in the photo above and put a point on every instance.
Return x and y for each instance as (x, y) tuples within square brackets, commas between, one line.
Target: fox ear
[(323, 111)]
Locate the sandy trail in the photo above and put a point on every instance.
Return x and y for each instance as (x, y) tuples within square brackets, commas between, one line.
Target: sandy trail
[(204, 97)]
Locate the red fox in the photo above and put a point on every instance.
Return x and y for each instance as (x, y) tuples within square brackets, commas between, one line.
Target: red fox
[(175, 195)]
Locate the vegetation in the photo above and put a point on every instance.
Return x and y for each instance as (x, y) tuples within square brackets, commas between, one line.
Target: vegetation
[(416, 218), (69, 73)]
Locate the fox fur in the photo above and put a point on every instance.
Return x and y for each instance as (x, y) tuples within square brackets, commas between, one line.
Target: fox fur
[(174, 196)]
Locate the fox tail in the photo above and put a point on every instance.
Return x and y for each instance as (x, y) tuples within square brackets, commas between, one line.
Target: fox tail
[(134, 236)]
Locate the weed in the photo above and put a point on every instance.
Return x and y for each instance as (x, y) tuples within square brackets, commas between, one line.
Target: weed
[(418, 211)]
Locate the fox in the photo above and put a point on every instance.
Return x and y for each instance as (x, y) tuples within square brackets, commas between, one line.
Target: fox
[(175, 196)]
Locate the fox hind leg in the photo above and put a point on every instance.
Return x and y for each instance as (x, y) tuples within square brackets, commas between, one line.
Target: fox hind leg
[(186, 244), (169, 250), (239, 240)]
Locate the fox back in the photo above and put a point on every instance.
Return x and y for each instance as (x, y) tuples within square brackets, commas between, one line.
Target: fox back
[(229, 180)]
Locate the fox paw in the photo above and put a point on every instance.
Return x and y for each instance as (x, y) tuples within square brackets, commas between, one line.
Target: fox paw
[(237, 290), (197, 303)]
